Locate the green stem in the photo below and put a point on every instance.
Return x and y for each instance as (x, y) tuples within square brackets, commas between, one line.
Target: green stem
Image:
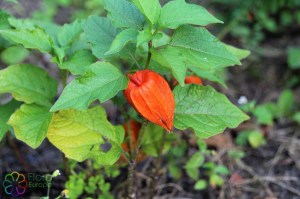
[(149, 54)]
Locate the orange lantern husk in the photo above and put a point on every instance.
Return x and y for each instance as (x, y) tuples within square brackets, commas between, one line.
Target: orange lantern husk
[(150, 94), (135, 128), (193, 80)]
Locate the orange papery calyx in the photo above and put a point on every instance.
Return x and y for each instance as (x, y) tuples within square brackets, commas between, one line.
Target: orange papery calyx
[(192, 79), (150, 94), (131, 141)]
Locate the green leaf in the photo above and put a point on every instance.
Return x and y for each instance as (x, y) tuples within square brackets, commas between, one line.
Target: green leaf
[(30, 124), (264, 115), (146, 35), (294, 58), (86, 134), (150, 8), (172, 58), (6, 111), (285, 102), (14, 54), (124, 14), (25, 24), (78, 63), (256, 139), (205, 110), (18, 80), (200, 185), (35, 39), (211, 75), (221, 169), (151, 139), (69, 32), (152, 133), (101, 81), (239, 53), (193, 164), (178, 12), (122, 39), (296, 117), (216, 180), (4, 24), (201, 49), (242, 138), (100, 33)]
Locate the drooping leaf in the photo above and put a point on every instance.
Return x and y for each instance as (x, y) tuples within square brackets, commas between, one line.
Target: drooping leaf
[(102, 81), (69, 32), (78, 63), (205, 110), (86, 134), (124, 14), (30, 123), (34, 39), (178, 12), (100, 33), (150, 8), (28, 83), (201, 48), (122, 39), (6, 111)]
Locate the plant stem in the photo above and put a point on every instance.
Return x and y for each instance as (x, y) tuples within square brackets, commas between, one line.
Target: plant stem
[(157, 168), (149, 54), (131, 167), (131, 189)]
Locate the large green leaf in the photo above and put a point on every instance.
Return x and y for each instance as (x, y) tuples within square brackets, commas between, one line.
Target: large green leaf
[(86, 134), (205, 110), (35, 39), (100, 33), (150, 8), (30, 123), (6, 111), (124, 14), (178, 12), (28, 83), (201, 48), (122, 39), (78, 63), (68, 33), (101, 81)]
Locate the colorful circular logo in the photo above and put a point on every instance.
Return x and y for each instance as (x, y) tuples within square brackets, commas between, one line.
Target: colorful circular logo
[(15, 184)]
